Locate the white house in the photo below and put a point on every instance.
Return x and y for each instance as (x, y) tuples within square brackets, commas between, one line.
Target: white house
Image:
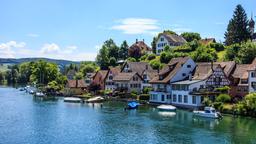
[(252, 76), (171, 40), (178, 69), (109, 83)]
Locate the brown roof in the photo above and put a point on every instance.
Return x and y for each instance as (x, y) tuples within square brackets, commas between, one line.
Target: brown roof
[(203, 70), (124, 76), (169, 71), (241, 71), (141, 45), (76, 84), (115, 70), (174, 38), (138, 67), (207, 41), (103, 73)]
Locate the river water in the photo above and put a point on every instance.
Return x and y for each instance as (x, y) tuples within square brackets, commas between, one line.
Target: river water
[(28, 120)]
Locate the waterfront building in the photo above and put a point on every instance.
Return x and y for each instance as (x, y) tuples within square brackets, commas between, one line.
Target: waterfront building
[(99, 79), (171, 40), (128, 82), (75, 87), (178, 69), (109, 83)]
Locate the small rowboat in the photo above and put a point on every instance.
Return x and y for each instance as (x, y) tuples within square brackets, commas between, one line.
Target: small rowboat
[(166, 108)]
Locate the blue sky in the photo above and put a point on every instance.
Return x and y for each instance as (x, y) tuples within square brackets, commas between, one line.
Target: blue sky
[(75, 30)]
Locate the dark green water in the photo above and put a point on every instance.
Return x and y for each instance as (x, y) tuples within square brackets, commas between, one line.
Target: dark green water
[(24, 119)]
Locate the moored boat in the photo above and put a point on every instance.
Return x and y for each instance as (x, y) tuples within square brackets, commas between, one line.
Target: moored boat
[(39, 94), (209, 112), (95, 99), (166, 108), (72, 99), (132, 105)]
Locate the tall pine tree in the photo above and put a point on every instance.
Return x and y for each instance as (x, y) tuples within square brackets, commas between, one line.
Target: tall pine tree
[(123, 51), (237, 30)]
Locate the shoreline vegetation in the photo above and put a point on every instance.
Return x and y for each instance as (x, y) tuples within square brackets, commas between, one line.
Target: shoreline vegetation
[(51, 79)]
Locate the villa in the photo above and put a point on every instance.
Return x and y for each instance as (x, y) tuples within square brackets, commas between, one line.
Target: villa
[(171, 40)]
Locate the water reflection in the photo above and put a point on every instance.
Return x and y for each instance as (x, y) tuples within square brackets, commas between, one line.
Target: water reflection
[(167, 114), (205, 122)]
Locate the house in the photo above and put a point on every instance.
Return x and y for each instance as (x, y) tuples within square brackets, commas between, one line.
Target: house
[(138, 67), (140, 47), (207, 41), (148, 75), (109, 83), (99, 80), (89, 78), (239, 86), (178, 69), (171, 40), (75, 87), (128, 82), (252, 76)]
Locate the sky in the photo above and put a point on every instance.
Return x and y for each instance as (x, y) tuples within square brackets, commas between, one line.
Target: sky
[(75, 30)]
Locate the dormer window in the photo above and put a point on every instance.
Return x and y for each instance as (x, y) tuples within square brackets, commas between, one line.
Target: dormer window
[(183, 74), (188, 66), (161, 39), (161, 77)]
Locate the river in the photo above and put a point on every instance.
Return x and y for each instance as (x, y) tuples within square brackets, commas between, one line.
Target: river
[(28, 120)]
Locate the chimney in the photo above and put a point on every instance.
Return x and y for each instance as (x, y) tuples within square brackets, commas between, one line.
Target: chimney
[(136, 40), (146, 67)]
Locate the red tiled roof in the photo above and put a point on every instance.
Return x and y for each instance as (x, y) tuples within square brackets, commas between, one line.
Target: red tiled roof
[(124, 76), (141, 45), (138, 67)]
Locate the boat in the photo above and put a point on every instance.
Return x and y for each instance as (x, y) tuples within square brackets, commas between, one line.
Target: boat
[(31, 92), (132, 105), (167, 113), (72, 99), (95, 99), (209, 112), (166, 108), (39, 94), (22, 89)]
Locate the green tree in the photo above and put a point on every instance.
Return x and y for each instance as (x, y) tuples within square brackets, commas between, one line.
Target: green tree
[(237, 29), (190, 36), (165, 57), (1, 77), (204, 54), (102, 58), (112, 61), (153, 44), (247, 53), (155, 64), (113, 49), (224, 98), (123, 51)]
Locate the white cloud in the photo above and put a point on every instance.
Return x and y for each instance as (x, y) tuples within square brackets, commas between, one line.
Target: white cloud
[(50, 48), (7, 50), (33, 35), (137, 26)]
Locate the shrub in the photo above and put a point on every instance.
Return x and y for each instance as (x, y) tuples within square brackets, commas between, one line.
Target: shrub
[(155, 64), (224, 89), (207, 101), (144, 97), (151, 57), (146, 90), (223, 98), (218, 105)]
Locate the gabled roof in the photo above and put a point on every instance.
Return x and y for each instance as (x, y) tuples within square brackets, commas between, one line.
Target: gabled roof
[(207, 41), (169, 71), (141, 45), (151, 73), (204, 69), (102, 73), (138, 67), (241, 71), (76, 84), (252, 65), (124, 76), (174, 38)]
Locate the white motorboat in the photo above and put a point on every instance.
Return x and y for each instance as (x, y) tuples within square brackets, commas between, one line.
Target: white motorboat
[(72, 99), (39, 94), (166, 108), (95, 99), (209, 112)]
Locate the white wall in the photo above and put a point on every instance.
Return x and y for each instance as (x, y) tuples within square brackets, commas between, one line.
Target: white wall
[(160, 42), (178, 76), (156, 97), (250, 80)]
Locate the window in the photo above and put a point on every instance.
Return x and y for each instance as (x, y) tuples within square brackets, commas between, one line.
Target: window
[(253, 74), (188, 66), (180, 98), (162, 39), (162, 97), (110, 77), (185, 99), (169, 97), (193, 99), (174, 98), (183, 74)]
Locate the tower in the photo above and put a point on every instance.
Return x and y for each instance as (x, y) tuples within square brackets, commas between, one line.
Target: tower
[(251, 25)]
